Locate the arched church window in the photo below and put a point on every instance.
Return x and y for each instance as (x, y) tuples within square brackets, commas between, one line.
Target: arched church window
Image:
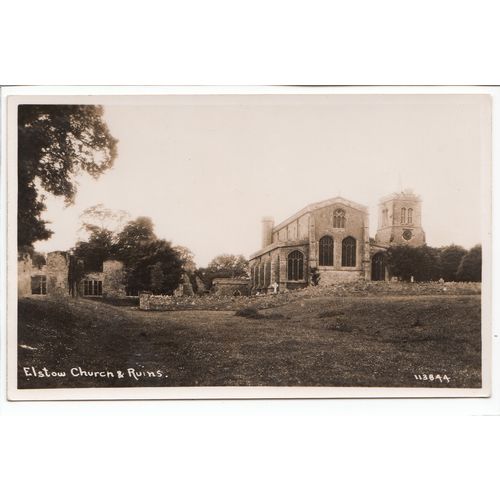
[(326, 251), (410, 215), (403, 215), (339, 218), (295, 266), (349, 252)]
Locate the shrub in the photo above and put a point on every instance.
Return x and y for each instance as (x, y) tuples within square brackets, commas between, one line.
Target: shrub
[(470, 266), (420, 262)]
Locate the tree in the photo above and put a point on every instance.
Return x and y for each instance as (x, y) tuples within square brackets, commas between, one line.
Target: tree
[(187, 258), (55, 143), (104, 218), (100, 246), (156, 267), (450, 257), (470, 266), (228, 266), (151, 263), (133, 239), (420, 262), (157, 277)]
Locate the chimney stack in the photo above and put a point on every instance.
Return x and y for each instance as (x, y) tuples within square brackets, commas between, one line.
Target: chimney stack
[(267, 231)]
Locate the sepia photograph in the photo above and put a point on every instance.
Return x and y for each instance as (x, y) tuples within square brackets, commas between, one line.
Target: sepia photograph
[(213, 245)]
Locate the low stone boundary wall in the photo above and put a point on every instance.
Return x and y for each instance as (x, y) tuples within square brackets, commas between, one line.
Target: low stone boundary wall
[(361, 288)]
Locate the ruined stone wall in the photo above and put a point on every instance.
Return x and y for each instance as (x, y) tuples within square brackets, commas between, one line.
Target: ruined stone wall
[(57, 273), (113, 280), (330, 277), (150, 302), (230, 286), (24, 272)]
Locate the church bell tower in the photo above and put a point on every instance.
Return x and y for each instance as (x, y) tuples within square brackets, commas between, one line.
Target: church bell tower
[(400, 220)]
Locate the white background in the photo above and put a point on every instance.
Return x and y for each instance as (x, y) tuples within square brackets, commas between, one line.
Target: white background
[(287, 449)]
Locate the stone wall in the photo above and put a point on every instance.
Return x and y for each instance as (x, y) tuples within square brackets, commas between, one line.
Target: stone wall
[(330, 276), (24, 272), (113, 283), (231, 286), (57, 273), (150, 302), (185, 287), (355, 226), (359, 288)]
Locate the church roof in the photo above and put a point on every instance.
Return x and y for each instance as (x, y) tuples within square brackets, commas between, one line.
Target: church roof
[(321, 204)]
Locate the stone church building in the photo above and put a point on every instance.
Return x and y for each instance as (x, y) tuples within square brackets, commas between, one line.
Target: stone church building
[(332, 237)]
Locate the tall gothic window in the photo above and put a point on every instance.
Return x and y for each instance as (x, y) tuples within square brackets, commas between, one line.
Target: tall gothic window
[(296, 266), (349, 252), (326, 251), (403, 215), (410, 215), (339, 218)]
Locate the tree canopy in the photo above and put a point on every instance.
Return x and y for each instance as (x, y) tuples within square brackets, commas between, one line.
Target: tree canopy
[(451, 256), (228, 266), (150, 263), (471, 265), (451, 263), (55, 143), (420, 262)]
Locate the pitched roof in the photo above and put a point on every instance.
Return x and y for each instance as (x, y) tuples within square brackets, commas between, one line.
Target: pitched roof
[(321, 204)]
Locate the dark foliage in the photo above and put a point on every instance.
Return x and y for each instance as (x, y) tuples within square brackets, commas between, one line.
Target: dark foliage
[(315, 275), (150, 263), (99, 247), (55, 143), (420, 262), (470, 265), (451, 263), (224, 266), (38, 260), (451, 256)]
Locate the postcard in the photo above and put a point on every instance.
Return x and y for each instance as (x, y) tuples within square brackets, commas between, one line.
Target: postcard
[(212, 244)]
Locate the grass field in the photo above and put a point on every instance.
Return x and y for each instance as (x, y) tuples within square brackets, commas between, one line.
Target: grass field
[(318, 341)]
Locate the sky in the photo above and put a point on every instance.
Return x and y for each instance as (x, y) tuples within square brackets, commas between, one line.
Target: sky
[(206, 169)]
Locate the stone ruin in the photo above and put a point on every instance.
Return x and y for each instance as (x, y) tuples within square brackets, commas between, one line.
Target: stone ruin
[(63, 275)]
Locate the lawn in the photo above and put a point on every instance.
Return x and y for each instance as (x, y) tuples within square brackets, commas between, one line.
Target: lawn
[(368, 341)]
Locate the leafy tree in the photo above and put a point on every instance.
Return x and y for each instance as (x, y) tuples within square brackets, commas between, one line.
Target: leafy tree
[(450, 257), (100, 246), (420, 262), (156, 267), (150, 263), (228, 266), (187, 258), (38, 260), (98, 216), (157, 277), (223, 266), (55, 143), (134, 238), (470, 266)]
